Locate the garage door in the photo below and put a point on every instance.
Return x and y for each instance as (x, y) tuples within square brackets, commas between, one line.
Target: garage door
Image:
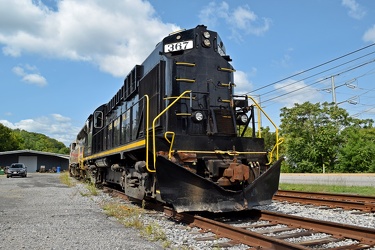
[(30, 162)]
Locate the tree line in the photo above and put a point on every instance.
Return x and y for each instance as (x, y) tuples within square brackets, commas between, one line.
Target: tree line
[(16, 139), (322, 137)]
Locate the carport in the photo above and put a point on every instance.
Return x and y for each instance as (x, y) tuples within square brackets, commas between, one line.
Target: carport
[(35, 160)]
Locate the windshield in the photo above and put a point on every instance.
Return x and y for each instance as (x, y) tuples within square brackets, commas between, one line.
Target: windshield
[(17, 166), (220, 46)]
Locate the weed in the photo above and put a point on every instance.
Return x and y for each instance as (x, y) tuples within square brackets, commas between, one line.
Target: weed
[(92, 189), (128, 216), (132, 217), (66, 179)]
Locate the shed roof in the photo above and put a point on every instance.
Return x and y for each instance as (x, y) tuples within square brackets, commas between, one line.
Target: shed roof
[(34, 152)]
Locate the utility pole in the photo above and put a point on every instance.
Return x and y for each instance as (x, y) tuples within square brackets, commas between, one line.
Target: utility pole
[(333, 90)]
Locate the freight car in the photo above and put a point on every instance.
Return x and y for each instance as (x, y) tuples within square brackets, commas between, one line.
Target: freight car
[(175, 132)]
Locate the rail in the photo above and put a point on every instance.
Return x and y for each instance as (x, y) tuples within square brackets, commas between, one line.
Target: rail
[(170, 142), (345, 201), (278, 140), (153, 126)]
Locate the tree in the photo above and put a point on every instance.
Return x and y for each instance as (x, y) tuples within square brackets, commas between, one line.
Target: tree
[(21, 139), (40, 142), (9, 141), (311, 133), (358, 150)]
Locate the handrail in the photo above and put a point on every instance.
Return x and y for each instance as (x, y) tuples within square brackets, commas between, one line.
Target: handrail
[(276, 130), (153, 126), (146, 130), (281, 140), (170, 142), (186, 64), (222, 152)]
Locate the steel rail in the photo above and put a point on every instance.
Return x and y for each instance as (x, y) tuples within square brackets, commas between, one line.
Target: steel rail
[(363, 203), (363, 234), (235, 233)]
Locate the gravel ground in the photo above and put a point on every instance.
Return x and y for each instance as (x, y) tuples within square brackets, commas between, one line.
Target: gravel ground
[(40, 213)]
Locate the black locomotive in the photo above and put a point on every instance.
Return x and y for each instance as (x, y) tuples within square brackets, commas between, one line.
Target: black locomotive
[(176, 133)]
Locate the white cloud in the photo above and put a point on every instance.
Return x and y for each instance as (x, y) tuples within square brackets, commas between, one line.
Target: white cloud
[(369, 35), (243, 84), (355, 10), (291, 92), (114, 35), (35, 79), (18, 71), (31, 78), (55, 126), (241, 20)]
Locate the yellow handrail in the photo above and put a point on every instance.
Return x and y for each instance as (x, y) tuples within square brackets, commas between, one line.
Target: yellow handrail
[(276, 130), (170, 142), (281, 140), (186, 64), (222, 152), (147, 123), (153, 126), (185, 80), (226, 69)]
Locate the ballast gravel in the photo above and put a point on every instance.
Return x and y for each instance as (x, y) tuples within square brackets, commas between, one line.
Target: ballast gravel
[(39, 212)]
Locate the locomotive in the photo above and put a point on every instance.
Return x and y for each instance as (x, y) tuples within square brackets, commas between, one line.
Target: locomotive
[(176, 133)]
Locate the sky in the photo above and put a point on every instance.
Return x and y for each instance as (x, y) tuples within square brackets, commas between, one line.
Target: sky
[(59, 60)]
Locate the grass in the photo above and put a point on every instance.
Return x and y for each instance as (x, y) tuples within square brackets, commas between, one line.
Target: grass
[(91, 189), (126, 215), (359, 190), (130, 216), (66, 179)]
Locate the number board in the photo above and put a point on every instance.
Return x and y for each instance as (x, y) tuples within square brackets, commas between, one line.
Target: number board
[(172, 47)]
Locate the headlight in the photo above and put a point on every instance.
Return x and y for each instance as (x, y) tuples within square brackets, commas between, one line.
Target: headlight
[(206, 34), (206, 43), (197, 116), (242, 118)]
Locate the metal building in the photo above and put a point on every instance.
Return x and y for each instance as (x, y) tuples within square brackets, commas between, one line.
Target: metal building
[(35, 160)]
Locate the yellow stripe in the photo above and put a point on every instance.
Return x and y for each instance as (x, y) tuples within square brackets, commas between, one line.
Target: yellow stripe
[(117, 150)]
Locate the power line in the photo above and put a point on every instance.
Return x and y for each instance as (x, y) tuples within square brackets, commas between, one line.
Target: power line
[(307, 70), (353, 68), (316, 74)]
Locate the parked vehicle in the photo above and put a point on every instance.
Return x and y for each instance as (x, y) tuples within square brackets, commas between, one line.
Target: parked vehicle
[(17, 169)]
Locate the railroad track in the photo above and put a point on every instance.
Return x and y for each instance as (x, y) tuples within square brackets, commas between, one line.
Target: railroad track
[(279, 231), (345, 201), (270, 230)]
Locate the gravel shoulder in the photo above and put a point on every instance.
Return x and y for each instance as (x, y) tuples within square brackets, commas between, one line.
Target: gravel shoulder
[(38, 212)]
